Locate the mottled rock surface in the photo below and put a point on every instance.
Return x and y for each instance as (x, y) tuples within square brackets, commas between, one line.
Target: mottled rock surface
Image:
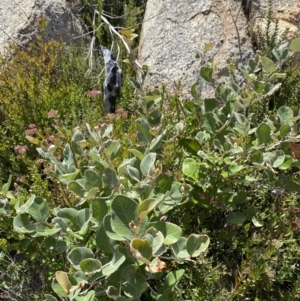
[(175, 31), (18, 21)]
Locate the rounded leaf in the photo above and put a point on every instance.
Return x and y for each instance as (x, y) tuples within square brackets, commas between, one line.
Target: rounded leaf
[(39, 209), (197, 244), (285, 114), (22, 225), (90, 265), (295, 45), (141, 249), (124, 216), (145, 207), (78, 254), (171, 232)]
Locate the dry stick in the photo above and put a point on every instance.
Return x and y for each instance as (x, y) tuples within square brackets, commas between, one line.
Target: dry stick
[(237, 30)]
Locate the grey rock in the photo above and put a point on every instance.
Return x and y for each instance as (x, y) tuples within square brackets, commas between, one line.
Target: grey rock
[(174, 32), (113, 80), (18, 21)]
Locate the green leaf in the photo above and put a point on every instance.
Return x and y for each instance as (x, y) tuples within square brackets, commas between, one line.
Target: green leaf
[(268, 65), (284, 130), (190, 168), (75, 187), (257, 223), (172, 279), (78, 254), (275, 158), (24, 208), (39, 209), (99, 209), (210, 104), (135, 286), (76, 142), (179, 249), (197, 244), (206, 73), (258, 86), (143, 129), (147, 165), (263, 133), (137, 154), (106, 130), (155, 143), (92, 179), (156, 239), (109, 231), (236, 218), (145, 207), (110, 177), (295, 45), (141, 249), (210, 123), (154, 117), (194, 92), (90, 265), (112, 292), (191, 146), (63, 280), (285, 114), (133, 173), (129, 272), (83, 217), (66, 178), (43, 230), (124, 212), (49, 298), (112, 149), (288, 161), (115, 263), (22, 225), (171, 232), (104, 243)]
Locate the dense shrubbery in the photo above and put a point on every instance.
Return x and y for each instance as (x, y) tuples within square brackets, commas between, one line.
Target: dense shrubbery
[(167, 199)]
